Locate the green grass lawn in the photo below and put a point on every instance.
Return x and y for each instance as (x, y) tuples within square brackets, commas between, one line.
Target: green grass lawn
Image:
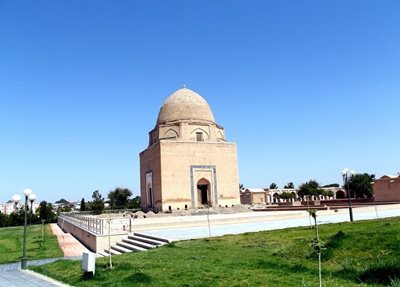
[(363, 253), (11, 243)]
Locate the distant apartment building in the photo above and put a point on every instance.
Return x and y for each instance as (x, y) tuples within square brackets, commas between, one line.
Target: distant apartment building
[(9, 207)]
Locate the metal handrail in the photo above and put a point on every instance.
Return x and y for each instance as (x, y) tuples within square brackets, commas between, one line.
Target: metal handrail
[(99, 226)]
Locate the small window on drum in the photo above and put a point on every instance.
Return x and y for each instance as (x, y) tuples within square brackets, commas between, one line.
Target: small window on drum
[(199, 137)]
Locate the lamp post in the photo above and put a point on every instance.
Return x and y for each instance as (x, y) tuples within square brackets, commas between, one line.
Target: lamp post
[(32, 198), (16, 198), (346, 173)]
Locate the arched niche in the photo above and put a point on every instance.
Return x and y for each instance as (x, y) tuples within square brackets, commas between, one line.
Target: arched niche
[(171, 133), (220, 135), (199, 135)]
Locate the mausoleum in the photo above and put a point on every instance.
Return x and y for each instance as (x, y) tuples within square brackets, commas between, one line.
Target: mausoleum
[(188, 162)]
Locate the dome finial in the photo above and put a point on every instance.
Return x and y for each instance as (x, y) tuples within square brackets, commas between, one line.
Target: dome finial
[(184, 86)]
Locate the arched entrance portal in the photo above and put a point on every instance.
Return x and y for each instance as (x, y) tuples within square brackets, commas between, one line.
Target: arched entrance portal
[(340, 194), (150, 197), (204, 191)]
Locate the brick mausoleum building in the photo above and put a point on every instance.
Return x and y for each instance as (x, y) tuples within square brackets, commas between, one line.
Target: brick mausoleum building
[(188, 162), (387, 188)]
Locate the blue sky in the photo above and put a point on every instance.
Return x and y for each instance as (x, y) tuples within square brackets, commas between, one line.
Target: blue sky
[(305, 88)]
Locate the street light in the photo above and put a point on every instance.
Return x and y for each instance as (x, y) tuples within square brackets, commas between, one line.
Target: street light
[(32, 198), (346, 173), (16, 198)]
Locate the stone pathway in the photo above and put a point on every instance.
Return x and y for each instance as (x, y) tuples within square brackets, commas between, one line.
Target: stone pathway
[(12, 276), (68, 244), (22, 278)]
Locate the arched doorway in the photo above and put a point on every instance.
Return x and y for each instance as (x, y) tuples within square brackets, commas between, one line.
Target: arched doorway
[(150, 196), (276, 198), (269, 198), (340, 194), (203, 191)]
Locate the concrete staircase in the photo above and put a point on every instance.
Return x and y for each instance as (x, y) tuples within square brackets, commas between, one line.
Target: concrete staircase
[(135, 242)]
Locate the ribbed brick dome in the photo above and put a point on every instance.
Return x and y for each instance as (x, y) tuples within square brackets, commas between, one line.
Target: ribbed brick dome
[(185, 104)]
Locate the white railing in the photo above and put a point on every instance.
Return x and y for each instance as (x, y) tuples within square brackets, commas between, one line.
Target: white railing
[(99, 226)]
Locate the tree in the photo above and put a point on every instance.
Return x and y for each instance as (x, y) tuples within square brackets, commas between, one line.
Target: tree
[(97, 205), (16, 217), (4, 221), (62, 201), (45, 211), (289, 185), (309, 188), (134, 202), (64, 208), (119, 198), (286, 195), (241, 186), (83, 207), (360, 185), (273, 186), (327, 193)]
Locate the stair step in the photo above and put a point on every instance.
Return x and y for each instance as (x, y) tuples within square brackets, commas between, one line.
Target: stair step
[(126, 244), (139, 243), (102, 254), (113, 252), (166, 240), (121, 249), (146, 240)]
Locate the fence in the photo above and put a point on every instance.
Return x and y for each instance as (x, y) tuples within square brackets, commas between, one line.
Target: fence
[(114, 224)]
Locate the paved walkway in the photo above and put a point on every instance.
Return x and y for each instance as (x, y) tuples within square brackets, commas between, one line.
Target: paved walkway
[(223, 224), (22, 278), (68, 244), (12, 276)]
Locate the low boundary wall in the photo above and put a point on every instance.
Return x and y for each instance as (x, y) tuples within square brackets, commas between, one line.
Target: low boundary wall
[(93, 241)]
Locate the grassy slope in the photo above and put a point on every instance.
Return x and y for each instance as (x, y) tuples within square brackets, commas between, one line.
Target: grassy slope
[(274, 258), (11, 243)]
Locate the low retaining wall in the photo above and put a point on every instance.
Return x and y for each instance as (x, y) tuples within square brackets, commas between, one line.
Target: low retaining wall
[(92, 241)]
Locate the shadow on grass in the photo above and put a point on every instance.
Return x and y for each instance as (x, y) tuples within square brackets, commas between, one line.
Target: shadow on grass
[(383, 274), (139, 277), (170, 245), (296, 268), (334, 242)]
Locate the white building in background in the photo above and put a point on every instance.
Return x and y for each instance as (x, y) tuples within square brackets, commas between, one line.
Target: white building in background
[(274, 196), (9, 207)]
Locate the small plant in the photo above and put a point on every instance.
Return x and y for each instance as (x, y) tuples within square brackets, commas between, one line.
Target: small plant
[(395, 283), (280, 251), (317, 244)]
